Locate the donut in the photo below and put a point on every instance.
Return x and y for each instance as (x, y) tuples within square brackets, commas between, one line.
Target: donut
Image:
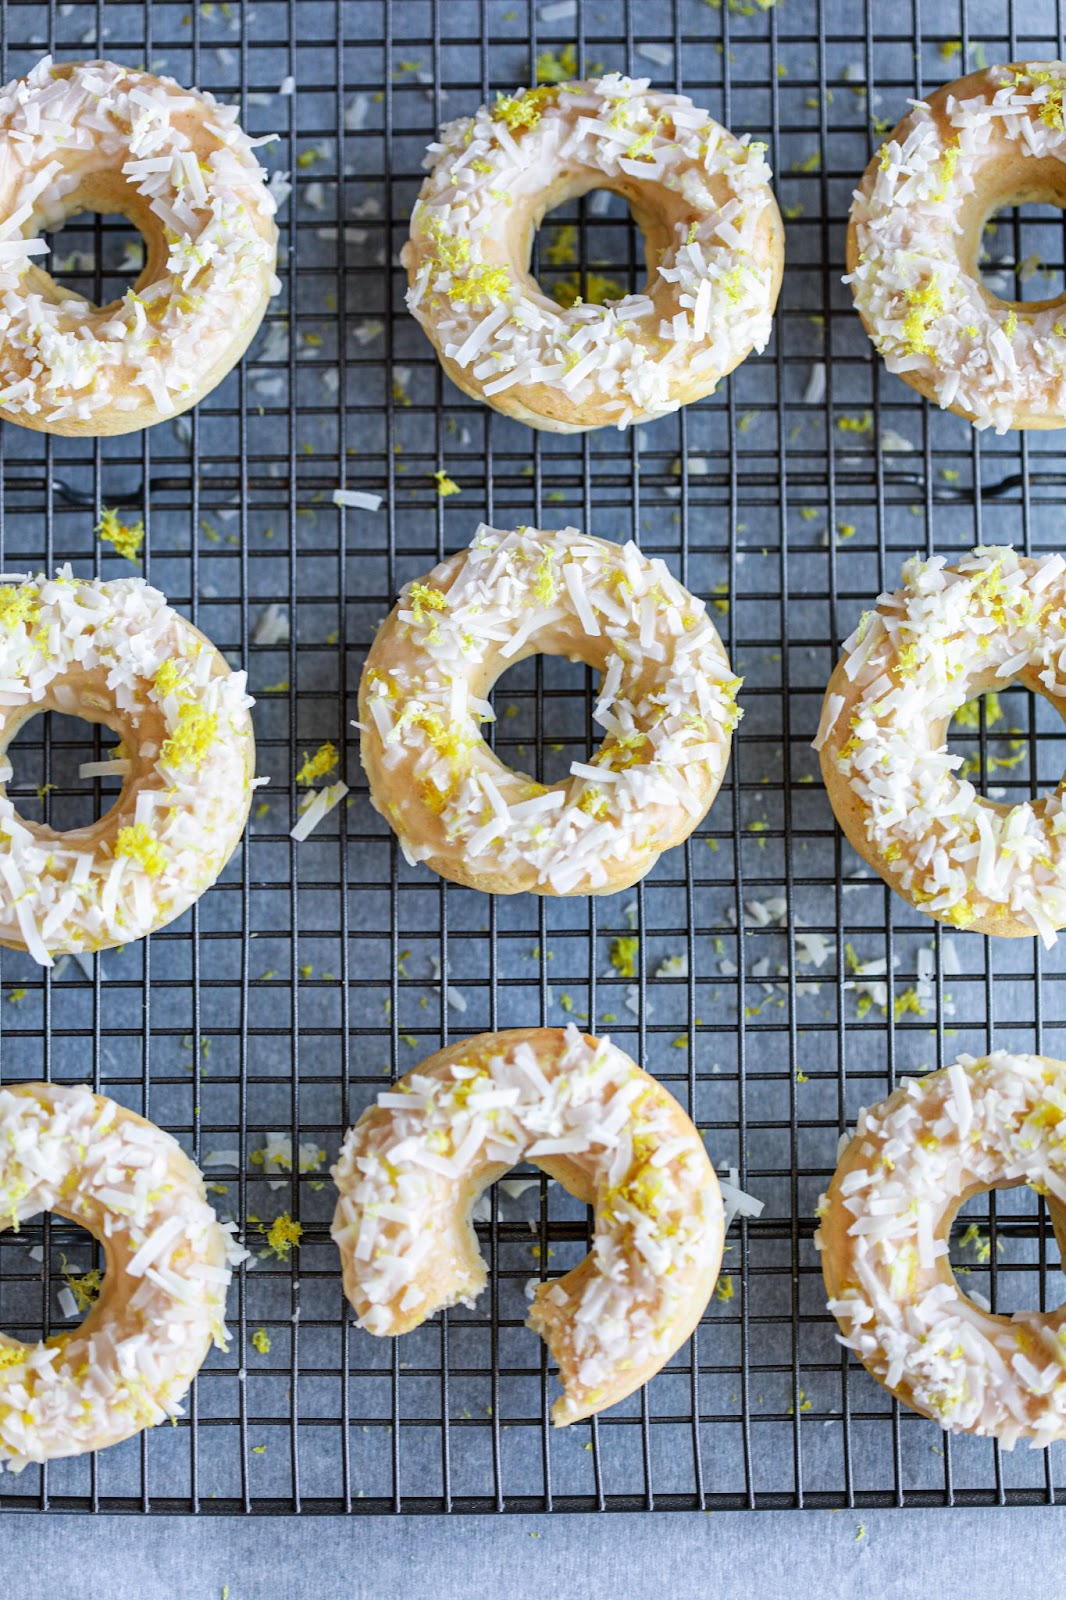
[(116, 653), (168, 1264), (667, 700), (993, 1123), (415, 1162), (94, 136), (713, 244), (950, 633), (992, 139)]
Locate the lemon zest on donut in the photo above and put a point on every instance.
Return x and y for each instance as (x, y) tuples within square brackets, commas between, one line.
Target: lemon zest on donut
[(324, 760), (451, 253), (482, 280), (170, 678), (18, 606), (594, 804), (137, 844), (1010, 326), (948, 162), (522, 110), (193, 737), (544, 580), (11, 1356), (926, 305), (422, 597), (126, 538)]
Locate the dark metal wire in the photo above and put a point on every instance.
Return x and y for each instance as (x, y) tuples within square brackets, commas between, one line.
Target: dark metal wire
[(305, 975)]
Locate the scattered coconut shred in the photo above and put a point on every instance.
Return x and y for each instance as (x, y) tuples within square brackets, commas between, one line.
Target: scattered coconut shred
[(916, 660), (624, 353), (925, 311), (66, 358)]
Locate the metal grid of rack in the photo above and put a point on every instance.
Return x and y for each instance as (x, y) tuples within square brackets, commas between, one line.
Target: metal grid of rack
[(759, 971)]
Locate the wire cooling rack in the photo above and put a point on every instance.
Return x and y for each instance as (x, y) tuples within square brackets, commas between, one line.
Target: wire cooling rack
[(759, 970)]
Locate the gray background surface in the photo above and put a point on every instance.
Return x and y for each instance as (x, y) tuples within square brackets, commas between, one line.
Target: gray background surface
[(954, 1555)]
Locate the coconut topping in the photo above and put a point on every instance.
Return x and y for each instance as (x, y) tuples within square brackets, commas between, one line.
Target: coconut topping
[(911, 665), (169, 1263), (978, 1124), (667, 701), (191, 169), (926, 310), (416, 1161), (710, 301), (115, 652)]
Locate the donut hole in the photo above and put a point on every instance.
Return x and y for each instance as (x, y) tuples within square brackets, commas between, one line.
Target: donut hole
[(94, 256), (544, 716), (46, 755), (1022, 252), (591, 247), (1012, 742), (51, 1273), (1003, 1252)]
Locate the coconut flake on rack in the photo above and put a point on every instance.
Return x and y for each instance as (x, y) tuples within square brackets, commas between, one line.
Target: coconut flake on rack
[(322, 802), (928, 312), (737, 1201), (358, 498)]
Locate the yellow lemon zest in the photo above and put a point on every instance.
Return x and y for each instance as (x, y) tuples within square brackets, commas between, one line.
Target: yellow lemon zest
[(139, 845), (324, 760), (127, 539), (192, 738)]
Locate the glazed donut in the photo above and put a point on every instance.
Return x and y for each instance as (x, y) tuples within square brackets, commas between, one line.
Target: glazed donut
[(116, 653), (950, 633), (168, 1263), (713, 243), (992, 139), (94, 136), (884, 1231), (667, 700), (413, 1165)]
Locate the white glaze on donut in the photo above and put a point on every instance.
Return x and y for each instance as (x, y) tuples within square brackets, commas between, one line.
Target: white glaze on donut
[(411, 1168), (117, 653), (168, 1263), (886, 1222), (948, 634), (713, 243), (667, 701), (992, 139), (93, 134)]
